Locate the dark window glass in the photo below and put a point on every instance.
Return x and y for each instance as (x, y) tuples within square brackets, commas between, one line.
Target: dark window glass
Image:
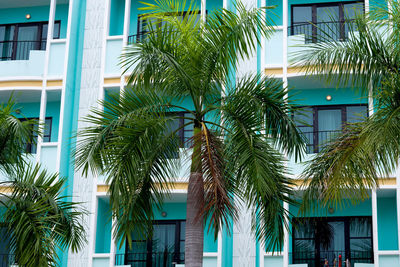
[(164, 248), (31, 147), (322, 124), (17, 40), (349, 237), (321, 22)]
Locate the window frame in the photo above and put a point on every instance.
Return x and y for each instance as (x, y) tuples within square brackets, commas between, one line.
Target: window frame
[(347, 236), (315, 109), (30, 147), (314, 21), (149, 243), (39, 38)]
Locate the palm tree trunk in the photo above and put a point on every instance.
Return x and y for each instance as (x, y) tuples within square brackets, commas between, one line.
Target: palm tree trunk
[(194, 236)]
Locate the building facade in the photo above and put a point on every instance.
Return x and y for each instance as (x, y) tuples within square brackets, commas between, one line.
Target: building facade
[(59, 57)]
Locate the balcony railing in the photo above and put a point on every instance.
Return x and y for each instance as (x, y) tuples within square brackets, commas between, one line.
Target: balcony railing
[(148, 259), (19, 50), (323, 31), (318, 139), (7, 260), (135, 38), (331, 258)]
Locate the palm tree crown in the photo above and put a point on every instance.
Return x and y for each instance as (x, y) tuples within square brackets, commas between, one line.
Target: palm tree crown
[(239, 127)]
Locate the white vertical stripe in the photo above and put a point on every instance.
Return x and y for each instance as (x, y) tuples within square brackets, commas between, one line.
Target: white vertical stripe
[(43, 98), (112, 248), (375, 227), (219, 255), (286, 240), (93, 225)]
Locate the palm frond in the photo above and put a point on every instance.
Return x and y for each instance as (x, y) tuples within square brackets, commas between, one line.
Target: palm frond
[(39, 219)]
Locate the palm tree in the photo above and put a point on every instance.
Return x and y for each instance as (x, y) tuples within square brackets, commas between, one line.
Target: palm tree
[(350, 165), (14, 135), (237, 135), (38, 219)]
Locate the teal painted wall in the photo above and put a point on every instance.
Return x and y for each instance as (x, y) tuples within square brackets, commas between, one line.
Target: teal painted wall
[(387, 224), (117, 11), (71, 104), (38, 13), (227, 245), (276, 12), (318, 96), (103, 227), (31, 110)]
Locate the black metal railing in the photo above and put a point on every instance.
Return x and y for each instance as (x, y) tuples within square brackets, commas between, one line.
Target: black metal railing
[(323, 31), (136, 38), (330, 258), (148, 259), (7, 260), (317, 140), (19, 50)]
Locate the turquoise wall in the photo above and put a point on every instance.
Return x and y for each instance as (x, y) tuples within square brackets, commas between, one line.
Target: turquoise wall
[(276, 12), (103, 227), (71, 104), (31, 110), (117, 11), (387, 224), (311, 97), (38, 14)]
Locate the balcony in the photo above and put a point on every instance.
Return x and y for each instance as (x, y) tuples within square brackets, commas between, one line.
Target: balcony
[(316, 141), (330, 258), (323, 31), (161, 259)]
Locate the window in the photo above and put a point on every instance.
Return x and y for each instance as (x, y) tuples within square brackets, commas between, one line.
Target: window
[(143, 24), (321, 124), (31, 146), (166, 247), (317, 240), (184, 132), (17, 40), (324, 21)]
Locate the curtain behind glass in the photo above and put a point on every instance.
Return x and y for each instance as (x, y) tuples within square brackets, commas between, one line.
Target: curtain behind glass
[(329, 125), (27, 41)]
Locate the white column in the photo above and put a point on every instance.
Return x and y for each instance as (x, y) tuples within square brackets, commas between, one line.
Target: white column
[(286, 240), (43, 98), (375, 227), (127, 21), (42, 118), (92, 226), (203, 10), (285, 41), (113, 245), (219, 256)]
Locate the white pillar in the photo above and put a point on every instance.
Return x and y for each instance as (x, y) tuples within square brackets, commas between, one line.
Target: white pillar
[(92, 225), (203, 10), (286, 239), (42, 118), (219, 256), (375, 227), (113, 245)]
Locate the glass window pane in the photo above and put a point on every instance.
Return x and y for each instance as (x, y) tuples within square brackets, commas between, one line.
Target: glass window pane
[(352, 10), (302, 14), (183, 230), (163, 238), (361, 248), (304, 249), (47, 131), (304, 229), (356, 113), (360, 227)]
